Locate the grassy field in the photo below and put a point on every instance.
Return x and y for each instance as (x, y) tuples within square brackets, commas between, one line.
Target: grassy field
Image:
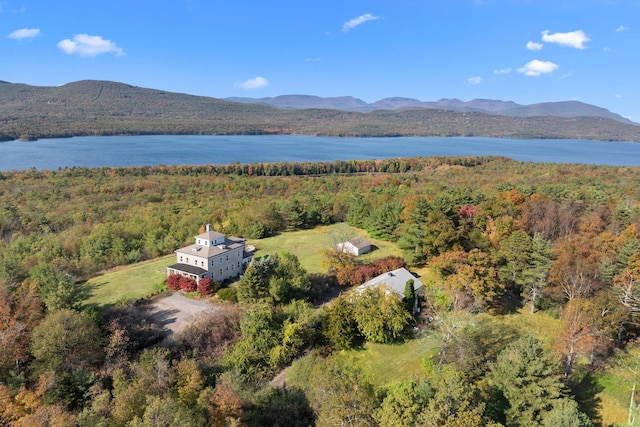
[(307, 245), (143, 279), (382, 364), (127, 283), (386, 364)]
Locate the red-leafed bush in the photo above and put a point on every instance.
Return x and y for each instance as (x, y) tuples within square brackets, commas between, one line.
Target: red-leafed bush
[(352, 276), (173, 282), (389, 263), (188, 284), (207, 286), (345, 276)]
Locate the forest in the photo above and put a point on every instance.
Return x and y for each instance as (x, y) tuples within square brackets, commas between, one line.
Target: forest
[(500, 240)]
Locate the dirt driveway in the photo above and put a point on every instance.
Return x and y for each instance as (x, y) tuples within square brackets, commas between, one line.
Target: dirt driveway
[(175, 312)]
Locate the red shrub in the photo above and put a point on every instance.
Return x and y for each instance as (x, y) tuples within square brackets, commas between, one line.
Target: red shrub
[(345, 276), (389, 263), (188, 284), (206, 286), (173, 282)]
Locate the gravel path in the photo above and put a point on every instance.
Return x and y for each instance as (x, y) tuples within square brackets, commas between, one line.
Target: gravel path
[(176, 311)]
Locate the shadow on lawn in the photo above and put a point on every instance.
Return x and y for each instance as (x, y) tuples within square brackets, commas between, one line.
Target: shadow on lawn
[(586, 389)]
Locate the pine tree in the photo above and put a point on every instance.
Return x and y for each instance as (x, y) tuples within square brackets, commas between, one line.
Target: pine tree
[(530, 380), (252, 286), (410, 296)]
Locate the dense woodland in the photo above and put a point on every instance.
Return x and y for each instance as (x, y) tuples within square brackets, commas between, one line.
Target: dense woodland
[(108, 108), (498, 236)]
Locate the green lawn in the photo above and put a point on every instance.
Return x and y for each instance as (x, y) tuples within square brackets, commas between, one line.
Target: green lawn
[(143, 279), (127, 283), (386, 364), (307, 244), (382, 364)]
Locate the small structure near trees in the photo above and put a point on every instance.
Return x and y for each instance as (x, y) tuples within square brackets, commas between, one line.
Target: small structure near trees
[(399, 281), (356, 246)]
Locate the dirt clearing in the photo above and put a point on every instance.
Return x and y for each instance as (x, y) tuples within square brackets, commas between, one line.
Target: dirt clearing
[(175, 312)]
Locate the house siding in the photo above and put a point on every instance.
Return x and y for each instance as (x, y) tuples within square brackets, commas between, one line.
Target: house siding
[(220, 257)]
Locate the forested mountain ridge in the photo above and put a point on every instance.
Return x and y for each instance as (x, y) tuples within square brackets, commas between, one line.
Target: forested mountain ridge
[(488, 106), (110, 108)]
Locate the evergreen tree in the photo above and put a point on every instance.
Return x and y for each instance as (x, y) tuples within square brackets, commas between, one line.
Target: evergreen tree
[(340, 328), (412, 235), (565, 413), (383, 221), (535, 278), (252, 287), (410, 296), (455, 402), (530, 380)]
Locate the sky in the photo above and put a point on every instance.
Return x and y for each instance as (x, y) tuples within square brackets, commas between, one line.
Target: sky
[(526, 51)]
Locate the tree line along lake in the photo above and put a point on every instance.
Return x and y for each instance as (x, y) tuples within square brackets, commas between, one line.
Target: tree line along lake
[(152, 150)]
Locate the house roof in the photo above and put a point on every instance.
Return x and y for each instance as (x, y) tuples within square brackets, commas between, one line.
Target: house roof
[(210, 235), (359, 242), (210, 251), (191, 269), (395, 281)]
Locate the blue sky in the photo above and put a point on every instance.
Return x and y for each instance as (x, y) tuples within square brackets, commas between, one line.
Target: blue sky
[(526, 51)]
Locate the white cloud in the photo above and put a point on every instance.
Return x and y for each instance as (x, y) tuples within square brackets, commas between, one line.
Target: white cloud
[(475, 80), (536, 67), (534, 46), (24, 33), (358, 21), (86, 45), (622, 28), (255, 83), (502, 71), (575, 39)]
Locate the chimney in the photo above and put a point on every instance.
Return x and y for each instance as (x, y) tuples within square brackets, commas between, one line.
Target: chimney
[(207, 227)]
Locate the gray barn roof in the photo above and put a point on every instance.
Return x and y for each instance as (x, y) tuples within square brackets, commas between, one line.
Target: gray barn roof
[(394, 280)]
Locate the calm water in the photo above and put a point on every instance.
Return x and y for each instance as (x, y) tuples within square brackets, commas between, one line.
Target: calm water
[(178, 150)]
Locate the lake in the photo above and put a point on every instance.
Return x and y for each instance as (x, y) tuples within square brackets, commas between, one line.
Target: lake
[(97, 151)]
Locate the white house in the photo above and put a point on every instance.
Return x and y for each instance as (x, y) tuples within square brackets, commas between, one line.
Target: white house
[(213, 256), (395, 281), (356, 246)]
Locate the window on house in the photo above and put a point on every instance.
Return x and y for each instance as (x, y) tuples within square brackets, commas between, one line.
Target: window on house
[(220, 271), (180, 259)]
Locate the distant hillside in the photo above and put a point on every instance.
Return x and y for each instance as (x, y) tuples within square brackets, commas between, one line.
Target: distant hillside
[(489, 106), (110, 108)]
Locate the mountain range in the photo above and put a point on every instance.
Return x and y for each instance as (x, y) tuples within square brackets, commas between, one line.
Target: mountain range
[(488, 106), (94, 107)]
